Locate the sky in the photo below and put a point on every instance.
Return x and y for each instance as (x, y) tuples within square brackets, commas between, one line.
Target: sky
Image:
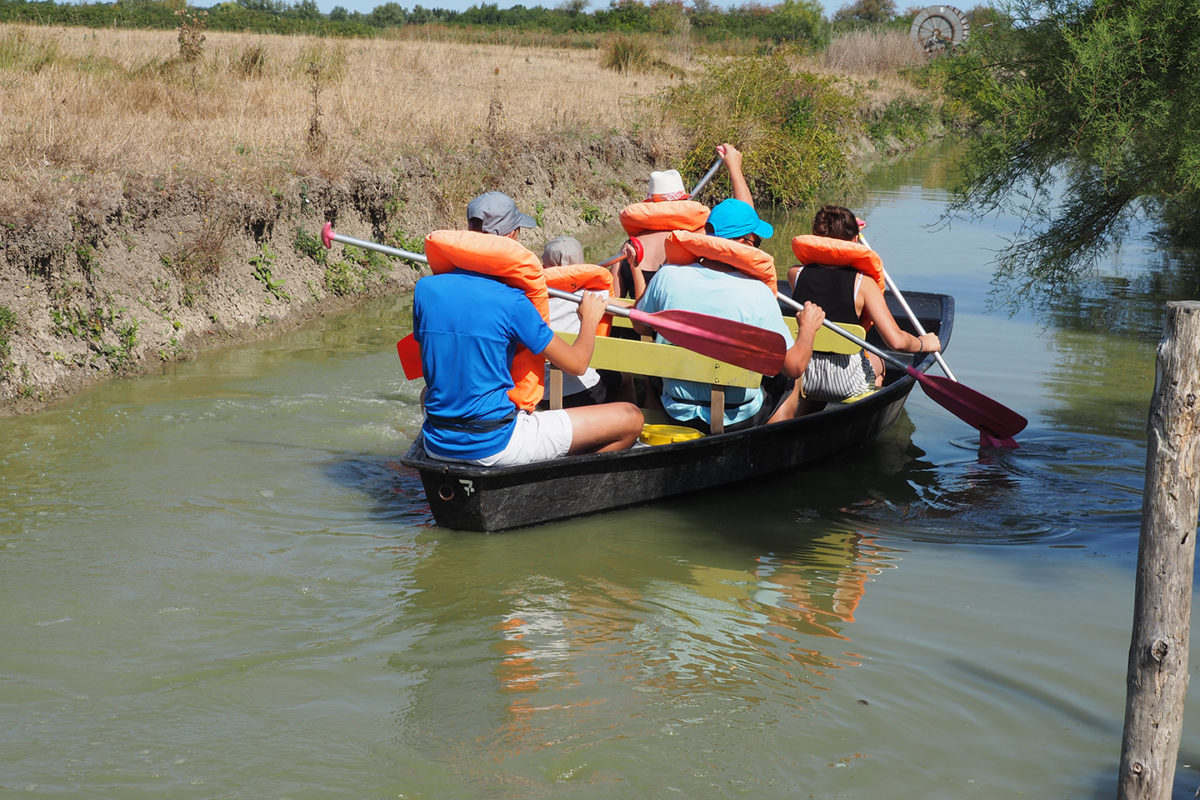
[(367, 6)]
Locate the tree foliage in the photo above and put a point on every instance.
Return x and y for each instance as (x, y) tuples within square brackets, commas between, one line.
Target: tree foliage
[(870, 11), (1089, 118), (792, 21)]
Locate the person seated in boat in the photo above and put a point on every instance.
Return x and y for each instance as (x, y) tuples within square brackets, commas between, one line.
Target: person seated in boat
[(480, 321), (565, 269), (667, 208), (845, 277), (724, 273)]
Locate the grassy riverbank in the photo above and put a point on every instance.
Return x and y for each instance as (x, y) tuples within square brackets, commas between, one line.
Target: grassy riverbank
[(162, 192)]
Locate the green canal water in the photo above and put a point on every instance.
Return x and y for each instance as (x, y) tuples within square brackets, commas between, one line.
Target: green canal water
[(218, 582)]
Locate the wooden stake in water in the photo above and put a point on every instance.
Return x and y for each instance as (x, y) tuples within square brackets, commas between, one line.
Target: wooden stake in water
[(1156, 684)]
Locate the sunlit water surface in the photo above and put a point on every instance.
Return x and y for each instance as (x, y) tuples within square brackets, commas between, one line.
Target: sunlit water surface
[(219, 582)]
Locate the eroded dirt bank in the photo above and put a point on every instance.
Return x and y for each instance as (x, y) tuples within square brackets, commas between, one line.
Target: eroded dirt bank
[(156, 272)]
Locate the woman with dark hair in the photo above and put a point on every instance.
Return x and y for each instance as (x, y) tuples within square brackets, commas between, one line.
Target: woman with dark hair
[(832, 276)]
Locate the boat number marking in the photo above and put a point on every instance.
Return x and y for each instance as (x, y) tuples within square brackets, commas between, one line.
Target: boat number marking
[(468, 485)]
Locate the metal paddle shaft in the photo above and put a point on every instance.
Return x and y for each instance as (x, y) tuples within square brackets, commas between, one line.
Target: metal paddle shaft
[(328, 237), (733, 342), (700, 184), (977, 410)]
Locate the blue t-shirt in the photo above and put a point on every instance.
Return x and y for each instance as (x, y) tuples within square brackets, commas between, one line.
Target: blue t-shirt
[(468, 327), (731, 295)]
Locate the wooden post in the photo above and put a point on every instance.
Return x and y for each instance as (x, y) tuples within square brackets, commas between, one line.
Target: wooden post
[(1156, 684)]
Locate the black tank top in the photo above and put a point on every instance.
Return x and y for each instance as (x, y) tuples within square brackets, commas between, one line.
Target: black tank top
[(832, 288)]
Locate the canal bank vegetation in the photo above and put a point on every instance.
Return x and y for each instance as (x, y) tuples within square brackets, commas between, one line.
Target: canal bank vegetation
[(1088, 123), (163, 191)]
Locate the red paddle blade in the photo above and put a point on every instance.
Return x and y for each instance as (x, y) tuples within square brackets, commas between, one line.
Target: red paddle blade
[(975, 409), (987, 440), (410, 357), (733, 342)]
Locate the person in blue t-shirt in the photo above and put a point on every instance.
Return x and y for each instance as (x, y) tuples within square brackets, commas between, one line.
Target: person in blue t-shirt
[(711, 287), (469, 326)]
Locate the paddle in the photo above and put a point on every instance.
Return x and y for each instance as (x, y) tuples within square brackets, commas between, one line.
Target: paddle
[(895, 290), (700, 184), (996, 423), (726, 340), (733, 342)]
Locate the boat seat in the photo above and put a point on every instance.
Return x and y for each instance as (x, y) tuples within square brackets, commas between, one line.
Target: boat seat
[(827, 341), (664, 361)]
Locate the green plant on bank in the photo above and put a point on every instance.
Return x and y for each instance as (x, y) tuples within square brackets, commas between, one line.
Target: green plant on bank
[(589, 212), (173, 352), (309, 244), (262, 262), (905, 118), (355, 273), (791, 125), (8, 324), (405, 241), (88, 259), (120, 354), (91, 326)]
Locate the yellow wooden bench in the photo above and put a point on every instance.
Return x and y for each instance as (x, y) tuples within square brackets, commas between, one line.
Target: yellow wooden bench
[(639, 357)]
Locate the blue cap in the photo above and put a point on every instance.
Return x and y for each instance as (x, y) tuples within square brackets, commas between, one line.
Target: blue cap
[(732, 218)]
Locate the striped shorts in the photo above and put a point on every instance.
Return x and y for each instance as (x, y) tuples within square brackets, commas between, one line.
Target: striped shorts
[(836, 376)]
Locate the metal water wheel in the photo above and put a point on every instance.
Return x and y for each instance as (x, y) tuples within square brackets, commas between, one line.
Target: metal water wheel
[(939, 28)]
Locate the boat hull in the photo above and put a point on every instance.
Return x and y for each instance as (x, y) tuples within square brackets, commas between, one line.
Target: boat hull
[(473, 498)]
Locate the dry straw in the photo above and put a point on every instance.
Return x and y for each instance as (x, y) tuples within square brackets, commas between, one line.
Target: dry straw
[(85, 109)]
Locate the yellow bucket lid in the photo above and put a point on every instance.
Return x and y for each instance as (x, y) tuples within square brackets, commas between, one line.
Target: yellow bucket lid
[(666, 434)]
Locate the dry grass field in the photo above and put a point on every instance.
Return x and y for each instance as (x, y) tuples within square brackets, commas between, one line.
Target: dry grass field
[(87, 110), (164, 190)]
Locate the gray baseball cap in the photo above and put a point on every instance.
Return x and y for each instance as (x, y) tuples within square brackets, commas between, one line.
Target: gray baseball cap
[(497, 213), (561, 251)]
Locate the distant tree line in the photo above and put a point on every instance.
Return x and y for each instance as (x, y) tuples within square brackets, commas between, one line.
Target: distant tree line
[(800, 21)]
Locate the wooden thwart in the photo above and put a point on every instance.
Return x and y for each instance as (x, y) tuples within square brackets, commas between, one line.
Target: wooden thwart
[(665, 361)]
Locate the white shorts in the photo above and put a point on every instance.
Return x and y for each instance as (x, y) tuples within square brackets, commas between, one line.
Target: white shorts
[(539, 436)]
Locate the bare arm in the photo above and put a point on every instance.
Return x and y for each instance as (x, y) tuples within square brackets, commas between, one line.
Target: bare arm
[(874, 308), (574, 358), (809, 319), (733, 163), (635, 269)]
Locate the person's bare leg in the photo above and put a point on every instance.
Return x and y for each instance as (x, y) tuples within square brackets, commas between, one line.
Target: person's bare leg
[(603, 428), (877, 365)]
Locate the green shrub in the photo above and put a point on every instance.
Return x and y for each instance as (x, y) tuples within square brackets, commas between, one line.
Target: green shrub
[(626, 54), (791, 125), (904, 118)]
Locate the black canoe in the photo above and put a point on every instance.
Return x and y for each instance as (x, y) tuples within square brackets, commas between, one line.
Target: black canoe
[(496, 498)]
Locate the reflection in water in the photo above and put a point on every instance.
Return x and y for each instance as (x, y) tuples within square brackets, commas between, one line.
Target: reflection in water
[(576, 641)]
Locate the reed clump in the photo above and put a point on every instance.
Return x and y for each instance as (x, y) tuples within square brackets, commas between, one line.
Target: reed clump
[(871, 53)]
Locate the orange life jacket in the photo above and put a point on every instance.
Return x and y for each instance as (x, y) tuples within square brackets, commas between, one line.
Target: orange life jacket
[(573, 277), (668, 215), (509, 262), (684, 247), (811, 249)]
